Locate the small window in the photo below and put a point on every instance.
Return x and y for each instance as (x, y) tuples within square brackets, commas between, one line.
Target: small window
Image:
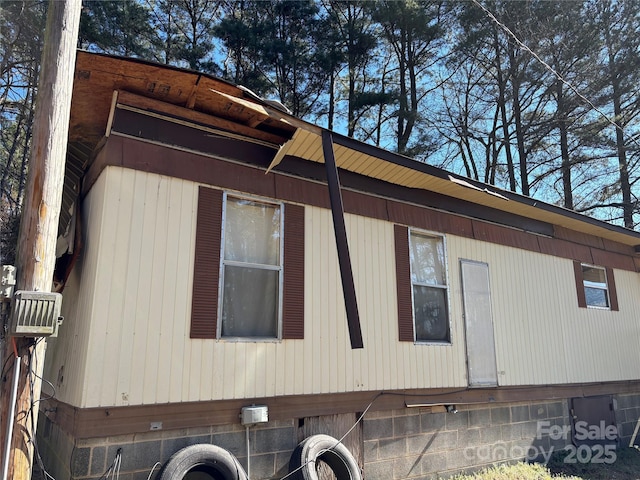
[(251, 269), (595, 286), (429, 288)]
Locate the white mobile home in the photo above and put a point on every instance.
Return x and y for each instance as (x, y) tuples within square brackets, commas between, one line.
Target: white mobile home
[(233, 255)]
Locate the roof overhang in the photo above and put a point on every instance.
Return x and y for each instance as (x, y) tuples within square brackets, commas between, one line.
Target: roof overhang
[(210, 101), (371, 161)]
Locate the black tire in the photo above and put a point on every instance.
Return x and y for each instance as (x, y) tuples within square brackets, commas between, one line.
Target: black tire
[(211, 459), (330, 451)]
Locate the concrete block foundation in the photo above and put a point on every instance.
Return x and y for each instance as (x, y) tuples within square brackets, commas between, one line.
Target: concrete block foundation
[(410, 443)]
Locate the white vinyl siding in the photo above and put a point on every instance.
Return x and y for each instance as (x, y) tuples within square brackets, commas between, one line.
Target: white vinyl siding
[(542, 337), (127, 307)]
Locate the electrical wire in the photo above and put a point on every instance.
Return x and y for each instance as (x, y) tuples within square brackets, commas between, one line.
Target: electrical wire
[(73, 451), (41, 462), (42, 379), (32, 369), (31, 359), (117, 469), (358, 420), (112, 472), (114, 468), (4, 365), (522, 45), (33, 366), (152, 469), (341, 438)]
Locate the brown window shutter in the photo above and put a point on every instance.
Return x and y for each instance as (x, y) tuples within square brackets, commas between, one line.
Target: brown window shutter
[(206, 270), (613, 294), (293, 282), (403, 284), (577, 270)]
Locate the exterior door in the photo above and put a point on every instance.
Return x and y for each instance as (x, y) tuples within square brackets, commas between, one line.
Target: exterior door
[(476, 298), (594, 421)]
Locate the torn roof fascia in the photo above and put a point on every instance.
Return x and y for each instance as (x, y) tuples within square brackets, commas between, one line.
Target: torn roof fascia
[(149, 63), (342, 245), (98, 75)]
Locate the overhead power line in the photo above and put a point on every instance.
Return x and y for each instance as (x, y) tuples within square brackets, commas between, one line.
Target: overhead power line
[(522, 45)]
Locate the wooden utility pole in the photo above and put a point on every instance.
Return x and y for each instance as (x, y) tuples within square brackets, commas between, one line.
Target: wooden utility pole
[(40, 214)]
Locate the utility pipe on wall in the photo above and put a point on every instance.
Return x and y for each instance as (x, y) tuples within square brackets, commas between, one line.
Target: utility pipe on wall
[(12, 413), (248, 454)]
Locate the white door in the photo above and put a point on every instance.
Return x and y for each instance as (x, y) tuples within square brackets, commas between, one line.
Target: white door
[(476, 298)]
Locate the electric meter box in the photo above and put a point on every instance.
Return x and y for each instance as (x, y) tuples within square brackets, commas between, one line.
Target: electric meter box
[(254, 414)]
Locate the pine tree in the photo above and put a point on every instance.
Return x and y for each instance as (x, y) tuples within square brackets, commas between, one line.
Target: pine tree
[(413, 31), (22, 26)]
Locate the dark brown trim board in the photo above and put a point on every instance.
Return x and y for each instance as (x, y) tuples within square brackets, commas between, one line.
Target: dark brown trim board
[(136, 124), (611, 286), (206, 270), (108, 421), (577, 270), (233, 175), (403, 284), (293, 282), (565, 249), (342, 246), (159, 130), (611, 259)]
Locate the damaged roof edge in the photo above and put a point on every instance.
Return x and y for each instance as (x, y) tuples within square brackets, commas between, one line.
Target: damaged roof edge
[(150, 63), (243, 99), (490, 189)]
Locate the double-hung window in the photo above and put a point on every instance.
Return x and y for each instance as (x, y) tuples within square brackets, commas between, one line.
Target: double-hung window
[(429, 288), (596, 286), (248, 267), (596, 291), (251, 269)]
